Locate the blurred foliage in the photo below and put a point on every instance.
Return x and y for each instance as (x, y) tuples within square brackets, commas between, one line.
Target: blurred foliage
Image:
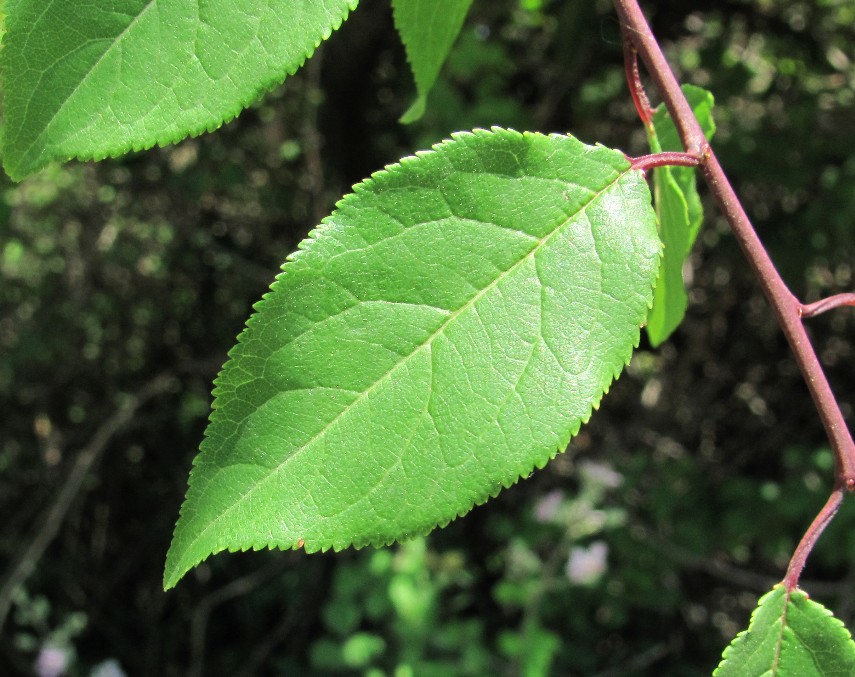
[(641, 551)]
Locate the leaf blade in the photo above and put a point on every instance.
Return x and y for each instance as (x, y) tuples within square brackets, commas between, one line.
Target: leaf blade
[(669, 296), (680, 212), (456, 295), (789, 634), (141, 73), (428, 29)]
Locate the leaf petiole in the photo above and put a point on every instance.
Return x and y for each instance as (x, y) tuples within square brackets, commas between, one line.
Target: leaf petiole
[(826, 304), (803, 550), (636, 88), (665, 159)]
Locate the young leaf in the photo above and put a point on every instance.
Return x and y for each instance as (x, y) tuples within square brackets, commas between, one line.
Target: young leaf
[(442, 334), (680, 213), (669, 296), (91, 80), (790, 635), (428, 29)]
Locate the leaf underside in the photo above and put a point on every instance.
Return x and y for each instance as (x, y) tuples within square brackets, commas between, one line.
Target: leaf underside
[(92, 80), (444, 332), (790, 636), (680, 213), (428, 29)]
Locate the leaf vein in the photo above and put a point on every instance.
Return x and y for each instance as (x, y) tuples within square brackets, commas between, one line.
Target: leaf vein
[(614, 181)]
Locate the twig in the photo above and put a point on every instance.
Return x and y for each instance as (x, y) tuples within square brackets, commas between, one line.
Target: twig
[(57, 511), (636, 29), (786, 306)]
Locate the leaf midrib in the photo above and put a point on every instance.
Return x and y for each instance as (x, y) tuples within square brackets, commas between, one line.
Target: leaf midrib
[(531, 253), (776, 660)]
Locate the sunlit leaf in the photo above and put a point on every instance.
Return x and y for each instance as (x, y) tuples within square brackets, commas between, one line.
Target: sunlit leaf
[(428, 29), (91, 80), (442, 334), (790, 635)]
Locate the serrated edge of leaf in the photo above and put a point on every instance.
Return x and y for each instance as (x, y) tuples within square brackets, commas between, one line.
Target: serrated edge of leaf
[(379, 541), (804, 598), (328, 225), (12, 168), (794, 597), (417, 108), (741, 637)]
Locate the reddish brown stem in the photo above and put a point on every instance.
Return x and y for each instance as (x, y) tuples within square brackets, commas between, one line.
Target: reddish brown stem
[(666, 159), (822, 520), (636, 88), (786, 306), (643, 43), (830, 303)]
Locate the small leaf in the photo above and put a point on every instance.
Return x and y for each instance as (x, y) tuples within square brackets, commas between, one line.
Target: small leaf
[(91, 80), (680, 213), (790, 635), (428, 29), (442, 334), (669, 296)]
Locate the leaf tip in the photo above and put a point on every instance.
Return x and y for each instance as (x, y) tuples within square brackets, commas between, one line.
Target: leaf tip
[(415, 111)]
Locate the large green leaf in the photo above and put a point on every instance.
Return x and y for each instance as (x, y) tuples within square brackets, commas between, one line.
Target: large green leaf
[(428, 29), (94, 79), (444, 332), (790, 635), (680, 213)]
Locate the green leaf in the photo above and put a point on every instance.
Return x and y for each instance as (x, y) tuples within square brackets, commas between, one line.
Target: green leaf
[(91, 80), (445, 330), (790, 635), (680, 213), (669, 299), (702, 103), (428, 29)]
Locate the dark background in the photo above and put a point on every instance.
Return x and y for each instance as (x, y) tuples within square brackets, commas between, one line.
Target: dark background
[(124, 283)]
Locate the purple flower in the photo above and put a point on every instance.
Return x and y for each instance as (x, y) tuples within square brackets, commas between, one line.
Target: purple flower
[(52, 661), (586, 565), (547, 506)]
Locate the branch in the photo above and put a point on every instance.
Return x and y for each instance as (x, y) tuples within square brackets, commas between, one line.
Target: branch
[(55, 514), (787, 308), (636, 30)]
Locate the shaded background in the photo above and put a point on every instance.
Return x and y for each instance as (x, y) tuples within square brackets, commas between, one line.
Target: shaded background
[(641, 551)]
